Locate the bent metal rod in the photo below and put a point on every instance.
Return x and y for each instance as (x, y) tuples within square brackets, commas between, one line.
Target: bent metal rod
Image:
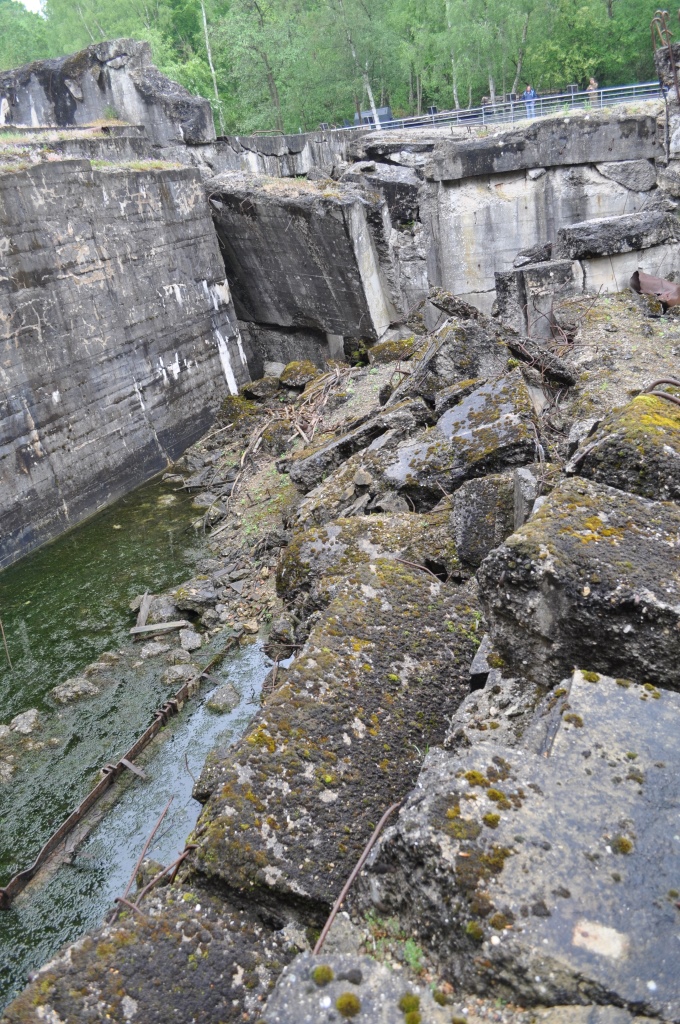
[(110, 773)]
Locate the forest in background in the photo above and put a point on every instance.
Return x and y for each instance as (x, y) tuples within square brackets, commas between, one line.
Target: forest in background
[(291, 64)]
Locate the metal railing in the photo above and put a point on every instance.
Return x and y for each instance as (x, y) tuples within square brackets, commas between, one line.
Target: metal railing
[(520, 109)]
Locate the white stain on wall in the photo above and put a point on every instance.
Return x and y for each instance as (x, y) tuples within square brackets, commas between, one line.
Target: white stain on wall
[(225, 359)]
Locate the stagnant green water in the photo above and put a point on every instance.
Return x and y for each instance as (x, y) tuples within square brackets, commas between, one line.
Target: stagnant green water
[(61, 608)]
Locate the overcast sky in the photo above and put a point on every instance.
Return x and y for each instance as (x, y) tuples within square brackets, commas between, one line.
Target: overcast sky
[(33, 5)]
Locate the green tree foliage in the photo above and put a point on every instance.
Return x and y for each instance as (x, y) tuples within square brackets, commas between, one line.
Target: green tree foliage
[(291, 64)]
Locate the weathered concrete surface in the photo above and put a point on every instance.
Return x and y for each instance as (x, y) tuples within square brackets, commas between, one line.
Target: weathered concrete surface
[(307, 470), (343, 734), (593, 578), (463, 349), (549, 142), (118, 335), (85, 86), (476, 226), (265, 344), (638, 175), (637, 449), (483, 515), (549, 879), (187, 950), (280, 156), (489, 430), (607, 236), (399, 185), (525, 297), (376, 994), (304, 254)]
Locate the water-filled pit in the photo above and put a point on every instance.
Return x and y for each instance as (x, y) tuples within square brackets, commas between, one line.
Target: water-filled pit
[(62, 607)]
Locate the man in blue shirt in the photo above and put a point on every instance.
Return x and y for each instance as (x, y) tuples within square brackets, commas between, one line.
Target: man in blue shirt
[(529, 97)]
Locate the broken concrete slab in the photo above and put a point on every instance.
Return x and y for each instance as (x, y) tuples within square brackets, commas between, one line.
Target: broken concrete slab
[(316, 560), (177, 947), (548, 142), (483, 515), (491, 429), (638, 175), (525, 297), (307, 470), (606, 236), (464, 348), (399, 185), (318, 989), (592, 578), (343, 734), (328, 269), (548, 879), (635, 448)]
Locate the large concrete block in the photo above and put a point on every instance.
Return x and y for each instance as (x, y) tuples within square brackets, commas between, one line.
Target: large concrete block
[(549, 878), (399, 185), (119, 338), (606, 236), (305, 254), (593, 578), (343, 734), (637, 175), (549, 142), (85, 86)]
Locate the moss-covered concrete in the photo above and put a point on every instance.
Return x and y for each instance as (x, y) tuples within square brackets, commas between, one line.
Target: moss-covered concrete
[(592, 578), (345, 731), (636, 448), (548, 878), (186, 957)]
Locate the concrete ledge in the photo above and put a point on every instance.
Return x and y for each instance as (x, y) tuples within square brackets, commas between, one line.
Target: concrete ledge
[(607, 236), (549, 142)]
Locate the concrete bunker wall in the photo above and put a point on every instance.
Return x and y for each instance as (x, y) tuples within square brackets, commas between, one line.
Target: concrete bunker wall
[(118, 342), (476, 226), (116, 78)]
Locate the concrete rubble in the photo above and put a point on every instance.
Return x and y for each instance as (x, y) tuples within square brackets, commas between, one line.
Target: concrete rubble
[(458, 535)]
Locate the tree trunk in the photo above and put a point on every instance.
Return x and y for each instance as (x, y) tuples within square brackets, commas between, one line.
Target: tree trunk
[(454, 69), (364, 71), (469, 106), (410, 89), (454, 72), (419, 94), (492, 88), (218, 102), (520, 53), (273, 91)]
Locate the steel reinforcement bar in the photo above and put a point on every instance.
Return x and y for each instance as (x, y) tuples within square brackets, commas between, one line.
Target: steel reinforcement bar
[(110, 773)]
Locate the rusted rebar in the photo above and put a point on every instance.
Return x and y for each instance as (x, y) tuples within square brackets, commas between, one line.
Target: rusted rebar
[(651, 389), (147, 844), (357, 868)]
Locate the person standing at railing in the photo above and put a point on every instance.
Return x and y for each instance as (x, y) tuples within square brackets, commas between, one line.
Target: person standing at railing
[(529, 97)]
